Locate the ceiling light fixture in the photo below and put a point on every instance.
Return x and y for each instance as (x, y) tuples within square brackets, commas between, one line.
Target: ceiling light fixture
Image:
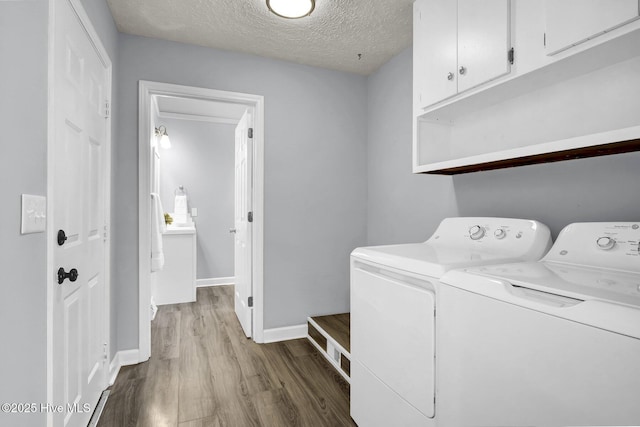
[(291, 9), (161, 132)]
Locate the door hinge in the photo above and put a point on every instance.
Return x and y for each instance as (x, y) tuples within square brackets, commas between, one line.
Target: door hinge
[(250, 217), (250, 302), (511, 56), (104, 351), (544, 39), (104, 235), (107, 109), (250, 132)]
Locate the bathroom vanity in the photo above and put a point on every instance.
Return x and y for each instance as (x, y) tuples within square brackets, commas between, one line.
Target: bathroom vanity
[(177, 280)]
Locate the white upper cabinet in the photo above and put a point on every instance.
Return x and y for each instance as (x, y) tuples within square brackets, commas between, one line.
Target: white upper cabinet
[(435, 48), (483, 41), (571, 92), (458, 45), (571, 22)]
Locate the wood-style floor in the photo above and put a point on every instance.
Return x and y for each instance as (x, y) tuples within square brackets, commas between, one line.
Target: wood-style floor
[(204, 372)]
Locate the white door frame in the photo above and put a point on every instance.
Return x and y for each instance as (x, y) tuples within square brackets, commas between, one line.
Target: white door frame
[(51, 232), (146, 91)]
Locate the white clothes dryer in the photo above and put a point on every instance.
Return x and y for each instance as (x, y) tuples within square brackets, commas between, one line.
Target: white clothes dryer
[(555, 342), (394, 301)]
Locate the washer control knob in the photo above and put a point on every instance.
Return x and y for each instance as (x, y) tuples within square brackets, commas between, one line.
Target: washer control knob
[(476, 232), (605, 243), (500, 233)]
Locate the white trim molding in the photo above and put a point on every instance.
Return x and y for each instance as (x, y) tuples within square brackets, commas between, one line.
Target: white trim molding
[(147, 90), (121, 358), (215, 281), (285, 333), (197, 118)]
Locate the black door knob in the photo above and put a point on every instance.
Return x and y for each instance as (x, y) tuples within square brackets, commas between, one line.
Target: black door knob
[(72, 275), (62, 237)]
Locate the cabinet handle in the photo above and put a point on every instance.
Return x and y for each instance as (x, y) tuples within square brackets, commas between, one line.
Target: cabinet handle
[(450, 76), (462, 70)]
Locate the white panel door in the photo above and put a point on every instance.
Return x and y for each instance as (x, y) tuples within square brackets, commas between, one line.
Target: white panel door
[(80, 87), (243, 191), (483, 41), (435, 48), (570, 22)]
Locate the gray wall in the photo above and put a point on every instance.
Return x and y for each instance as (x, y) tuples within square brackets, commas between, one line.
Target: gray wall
[(402, 207), (557, 194), (23, 168), (597, 189), (202, 159), (315, 172)]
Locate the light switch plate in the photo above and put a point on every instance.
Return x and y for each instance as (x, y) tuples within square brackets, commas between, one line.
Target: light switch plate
[(194, 212), (34, 214)]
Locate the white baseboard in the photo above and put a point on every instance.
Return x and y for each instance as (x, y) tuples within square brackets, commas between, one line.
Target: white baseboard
[(286, 333), (216, 281), (122, 358)]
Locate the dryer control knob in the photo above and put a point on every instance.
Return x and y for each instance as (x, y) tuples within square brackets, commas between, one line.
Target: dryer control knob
[(500, 233), (476, 232), (605, 243)]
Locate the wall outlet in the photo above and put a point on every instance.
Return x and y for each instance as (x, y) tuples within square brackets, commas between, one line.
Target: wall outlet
[(34, 214), (194, 212)]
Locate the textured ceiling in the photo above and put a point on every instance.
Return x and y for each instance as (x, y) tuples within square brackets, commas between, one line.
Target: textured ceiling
[(332, 37)]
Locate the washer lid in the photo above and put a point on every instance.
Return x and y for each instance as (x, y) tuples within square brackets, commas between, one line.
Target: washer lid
[(571, 293), (428, 259), (580, 282)]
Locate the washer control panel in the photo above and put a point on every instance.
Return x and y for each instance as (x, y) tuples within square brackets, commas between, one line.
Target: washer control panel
[(614, 245)]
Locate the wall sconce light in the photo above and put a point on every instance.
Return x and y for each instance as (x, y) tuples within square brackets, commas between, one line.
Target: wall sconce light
[(291, 9), (161, 132)]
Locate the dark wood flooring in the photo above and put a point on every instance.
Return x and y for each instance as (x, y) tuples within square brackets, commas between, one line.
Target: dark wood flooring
[(204, 372), (338, 326)]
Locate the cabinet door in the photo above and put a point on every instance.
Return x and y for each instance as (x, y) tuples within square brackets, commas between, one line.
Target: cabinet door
[(483, 41), (570, 22), (434, 51)]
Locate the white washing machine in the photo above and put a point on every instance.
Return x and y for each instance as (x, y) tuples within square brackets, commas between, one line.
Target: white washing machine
[(555, 342), (394, 299)]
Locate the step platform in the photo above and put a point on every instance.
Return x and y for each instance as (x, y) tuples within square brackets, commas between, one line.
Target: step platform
[(331, 336)]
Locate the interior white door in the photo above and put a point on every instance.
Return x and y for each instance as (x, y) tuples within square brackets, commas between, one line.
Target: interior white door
[(80, 87), (242, 222)]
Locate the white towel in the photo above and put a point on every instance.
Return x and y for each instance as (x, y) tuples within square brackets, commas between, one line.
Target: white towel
[(158, 226)]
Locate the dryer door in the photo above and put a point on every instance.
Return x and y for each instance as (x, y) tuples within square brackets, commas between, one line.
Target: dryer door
[(392, 334)]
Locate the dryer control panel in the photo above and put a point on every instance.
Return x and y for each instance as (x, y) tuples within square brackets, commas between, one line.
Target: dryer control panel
[(493, 235), (613, 245)]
